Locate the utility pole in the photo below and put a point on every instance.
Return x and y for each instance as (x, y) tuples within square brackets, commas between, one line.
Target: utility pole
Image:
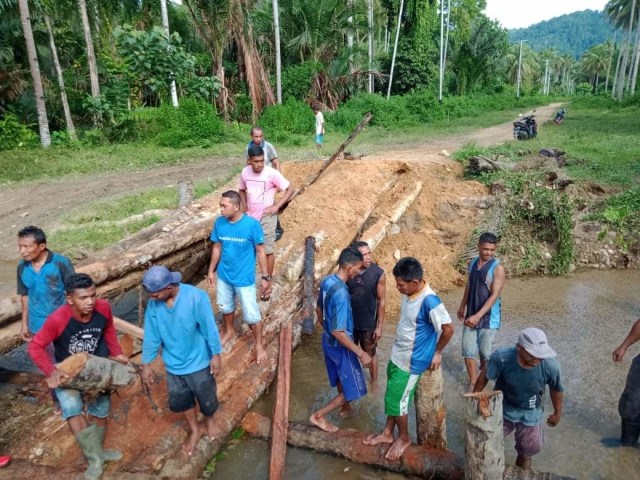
[(545, 88), (519, 69), (276, 27), (370, 21), (395, 49), (165, 26), (441, 49)]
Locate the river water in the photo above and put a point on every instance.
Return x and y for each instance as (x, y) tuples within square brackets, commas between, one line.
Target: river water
[(586, 316)]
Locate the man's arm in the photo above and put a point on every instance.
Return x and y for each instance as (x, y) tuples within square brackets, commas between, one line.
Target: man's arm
[(151, 344), (381, 291), (24, 330), (463, 304), (216, 251), (633, 337), (262, 261), (275, 163), (346, 342), (445, 337), (37, 348), (207, 324), (496, 288), (288, 193), (482, 380), (557, 399), (243, 199)]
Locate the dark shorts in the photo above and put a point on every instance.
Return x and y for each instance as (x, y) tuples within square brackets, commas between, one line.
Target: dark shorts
[(629, 404), (529, 439), (366, 339), (343, 366), (184, 390)]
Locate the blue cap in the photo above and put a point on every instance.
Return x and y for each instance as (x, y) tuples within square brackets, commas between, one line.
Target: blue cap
[(158, 278)]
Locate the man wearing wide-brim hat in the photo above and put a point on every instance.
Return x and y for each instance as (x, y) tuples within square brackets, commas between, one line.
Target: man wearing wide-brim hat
[(522, 373)]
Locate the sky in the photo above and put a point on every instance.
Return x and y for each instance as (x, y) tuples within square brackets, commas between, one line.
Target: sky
[(522, 13)]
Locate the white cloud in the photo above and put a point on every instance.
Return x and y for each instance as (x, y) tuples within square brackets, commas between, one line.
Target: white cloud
[(517, 14)]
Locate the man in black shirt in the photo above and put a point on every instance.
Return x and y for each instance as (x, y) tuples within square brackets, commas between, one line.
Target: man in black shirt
[(367, 292)]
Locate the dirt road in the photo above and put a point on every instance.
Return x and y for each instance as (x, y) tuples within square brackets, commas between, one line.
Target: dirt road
[(43, 203)]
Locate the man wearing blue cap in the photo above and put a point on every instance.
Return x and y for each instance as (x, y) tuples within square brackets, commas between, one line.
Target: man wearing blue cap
[(522, 373), (179, 318)]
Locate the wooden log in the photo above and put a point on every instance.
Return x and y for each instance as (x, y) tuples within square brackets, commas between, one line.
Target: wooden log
[(93, 375), (308, 286), (479, 164), (431, 412), (418, 460), (128, 328), (10, 337), (512, 472), (484, 441), (21, 468), (281, 407)]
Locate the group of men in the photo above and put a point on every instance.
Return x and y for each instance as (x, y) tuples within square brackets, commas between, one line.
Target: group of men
[(61, 316)]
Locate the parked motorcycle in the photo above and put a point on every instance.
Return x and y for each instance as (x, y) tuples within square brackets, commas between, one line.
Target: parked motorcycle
[(525, 128), (559, 116)]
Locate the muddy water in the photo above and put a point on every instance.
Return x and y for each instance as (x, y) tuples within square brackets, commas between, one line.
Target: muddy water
[(586, 316)]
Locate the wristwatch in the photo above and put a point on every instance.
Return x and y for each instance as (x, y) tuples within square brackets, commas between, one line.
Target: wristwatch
[(266, 277)]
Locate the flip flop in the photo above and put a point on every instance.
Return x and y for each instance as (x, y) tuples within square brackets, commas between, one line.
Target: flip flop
[(5, 461), (265, 299)]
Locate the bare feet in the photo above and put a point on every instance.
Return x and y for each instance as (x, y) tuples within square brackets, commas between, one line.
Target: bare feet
[(190, 444), (373, 439), (228, 335), (323, 424), (346, 410), (212, 430), (397, 449), (261, 354)]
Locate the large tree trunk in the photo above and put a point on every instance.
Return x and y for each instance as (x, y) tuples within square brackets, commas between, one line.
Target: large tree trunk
[(622, 73), (431, 411), (276, 30), (71, 129), (34, 67), (91, 56), (417, 460), (94, 375), (484, 441), (636, 61), (165, 26)]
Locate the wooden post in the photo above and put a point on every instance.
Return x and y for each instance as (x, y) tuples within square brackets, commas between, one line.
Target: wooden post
[(484, 441), (308, 285), (418, 460), (431, 412), (281, 407)]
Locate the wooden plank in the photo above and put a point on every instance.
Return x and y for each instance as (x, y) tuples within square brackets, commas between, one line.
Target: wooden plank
[(128, 328), (281, 407)]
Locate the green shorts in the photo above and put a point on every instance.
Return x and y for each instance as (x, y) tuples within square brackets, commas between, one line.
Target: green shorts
[(401, 386)]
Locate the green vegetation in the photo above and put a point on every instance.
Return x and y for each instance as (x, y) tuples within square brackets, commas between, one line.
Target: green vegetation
[(621, 213), (571, 34)]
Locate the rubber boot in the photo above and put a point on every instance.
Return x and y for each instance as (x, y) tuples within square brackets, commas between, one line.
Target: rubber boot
[(91, 445), (630, 432), (107, 455)]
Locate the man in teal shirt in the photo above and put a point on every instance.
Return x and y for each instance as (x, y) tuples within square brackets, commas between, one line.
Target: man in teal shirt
[(179, 319)]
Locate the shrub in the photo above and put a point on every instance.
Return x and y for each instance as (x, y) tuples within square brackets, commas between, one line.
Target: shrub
[(193, 123), (292, 116), (296, 80), (14, 134)]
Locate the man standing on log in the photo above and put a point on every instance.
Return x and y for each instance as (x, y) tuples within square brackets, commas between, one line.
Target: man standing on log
[(480, 305), (179, 319), (417, 348), (342, 356), (84, 324), (41, 279), (629, 404), (367, 290), (270, 154), (522, 374), (258, 186), (238, 239)]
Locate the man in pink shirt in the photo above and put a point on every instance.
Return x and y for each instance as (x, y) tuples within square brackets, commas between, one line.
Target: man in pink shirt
[(258, 187)]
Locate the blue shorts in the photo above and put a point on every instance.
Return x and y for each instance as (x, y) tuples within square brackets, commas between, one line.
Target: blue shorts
[(319, 138), (72, 405), (476, 340), (226, 296), (344, 367)]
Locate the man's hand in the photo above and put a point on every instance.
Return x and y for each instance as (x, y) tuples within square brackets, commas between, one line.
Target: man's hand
[(553, 420), (436, 361), (56, 378), (25, 333), (211, 276), (265, 289), (377, 333), (461, 311), (472, 321), (147, 374), (216, 365), (618, 354), (121, 359), (365, 358), (272, 210)]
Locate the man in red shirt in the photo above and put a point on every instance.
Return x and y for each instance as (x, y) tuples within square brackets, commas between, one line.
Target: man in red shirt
[(84, 324)]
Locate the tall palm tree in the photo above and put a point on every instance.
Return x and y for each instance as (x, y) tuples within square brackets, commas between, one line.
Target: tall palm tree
[(622, 13), (91, 56), (41, 108), (595, 62)]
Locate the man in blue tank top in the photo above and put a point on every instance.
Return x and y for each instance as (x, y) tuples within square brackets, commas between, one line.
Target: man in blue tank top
[(480, 306), (367, 290)]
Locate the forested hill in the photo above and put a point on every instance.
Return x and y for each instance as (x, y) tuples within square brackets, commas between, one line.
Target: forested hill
[(572, 34)]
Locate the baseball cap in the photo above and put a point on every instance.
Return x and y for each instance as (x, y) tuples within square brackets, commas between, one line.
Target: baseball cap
[(534, 341), (159, 277)]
